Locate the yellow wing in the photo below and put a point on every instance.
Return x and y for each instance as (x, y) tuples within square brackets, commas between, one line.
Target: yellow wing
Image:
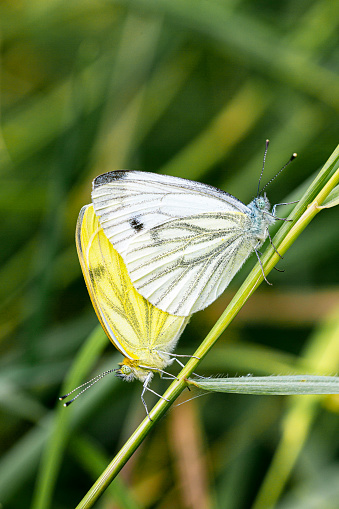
[(135, 327)]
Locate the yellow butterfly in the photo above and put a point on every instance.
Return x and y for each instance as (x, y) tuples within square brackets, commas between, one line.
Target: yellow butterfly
[(144, 334)]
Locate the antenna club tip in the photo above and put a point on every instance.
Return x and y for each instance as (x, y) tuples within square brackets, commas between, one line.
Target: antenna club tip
[(294, 155), (61, 398)]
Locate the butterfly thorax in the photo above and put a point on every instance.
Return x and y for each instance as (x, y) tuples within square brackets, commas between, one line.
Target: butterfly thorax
[(261, 218)]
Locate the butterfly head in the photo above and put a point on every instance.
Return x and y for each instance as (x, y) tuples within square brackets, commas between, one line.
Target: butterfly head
[(262, 203), (130, 370), (260, 207)]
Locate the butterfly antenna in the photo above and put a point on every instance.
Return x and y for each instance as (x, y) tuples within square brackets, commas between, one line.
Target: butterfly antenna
[(85, 386), (263, 166), (293, 156)]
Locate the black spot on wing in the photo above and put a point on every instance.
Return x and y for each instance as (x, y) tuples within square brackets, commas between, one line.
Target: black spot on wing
[(111, 176), (136, 224)]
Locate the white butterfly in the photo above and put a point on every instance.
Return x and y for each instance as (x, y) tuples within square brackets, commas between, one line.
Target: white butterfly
[(182, 241)]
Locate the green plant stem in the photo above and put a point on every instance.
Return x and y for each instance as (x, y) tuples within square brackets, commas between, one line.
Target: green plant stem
[(304, 212)]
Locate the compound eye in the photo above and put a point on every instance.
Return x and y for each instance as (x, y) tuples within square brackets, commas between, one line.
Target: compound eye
[(125, 370)]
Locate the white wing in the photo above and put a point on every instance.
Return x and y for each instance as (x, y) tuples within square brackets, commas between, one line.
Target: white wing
[(185, 264), (128, 202), (182, 241)]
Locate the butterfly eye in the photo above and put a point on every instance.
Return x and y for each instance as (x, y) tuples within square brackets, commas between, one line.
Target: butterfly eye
[(126, 373), (260, 203), (125, 370)]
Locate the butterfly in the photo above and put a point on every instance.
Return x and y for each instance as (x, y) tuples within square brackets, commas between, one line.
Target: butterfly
[(145, 335), (182, 241)]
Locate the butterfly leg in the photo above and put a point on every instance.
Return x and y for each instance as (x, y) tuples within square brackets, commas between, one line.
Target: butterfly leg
[(262, 268), (175, 355), (169, 375), (275, 268), (161, 371), (277, 205), (271, 242), (181, 364), (145, 388)]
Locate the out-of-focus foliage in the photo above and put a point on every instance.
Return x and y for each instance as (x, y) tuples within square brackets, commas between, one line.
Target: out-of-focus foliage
[(188, 88)]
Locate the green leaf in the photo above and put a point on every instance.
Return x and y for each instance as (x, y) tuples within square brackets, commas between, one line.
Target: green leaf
[(332, 199), (275, 385)]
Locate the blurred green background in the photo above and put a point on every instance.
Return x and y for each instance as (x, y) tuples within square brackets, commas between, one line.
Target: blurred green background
[(190, 88)]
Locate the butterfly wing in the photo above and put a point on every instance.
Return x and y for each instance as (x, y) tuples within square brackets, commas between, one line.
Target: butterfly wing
[(128, 202), (182, 241), (185, 264), (134, 326)]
